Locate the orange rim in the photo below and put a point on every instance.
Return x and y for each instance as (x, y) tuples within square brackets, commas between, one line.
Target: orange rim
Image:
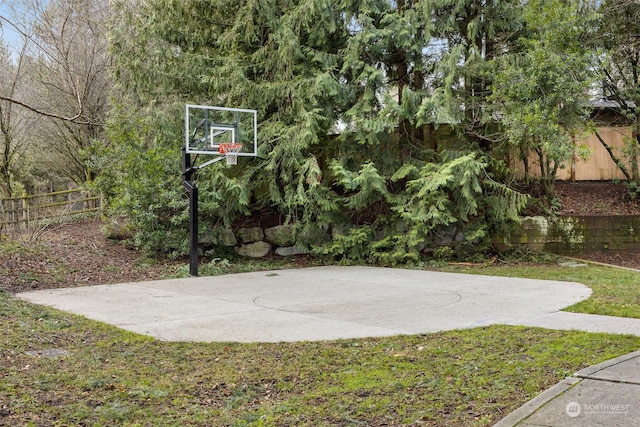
[(229, 147)]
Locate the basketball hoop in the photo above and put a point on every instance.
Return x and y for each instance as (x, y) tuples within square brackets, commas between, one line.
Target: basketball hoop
[(215, 132), (230, 150)]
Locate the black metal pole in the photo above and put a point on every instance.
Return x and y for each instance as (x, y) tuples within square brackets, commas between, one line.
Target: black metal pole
[(187, 174), (193, 231)]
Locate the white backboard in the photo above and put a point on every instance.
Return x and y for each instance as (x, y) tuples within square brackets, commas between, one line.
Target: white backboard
[(207, 127)]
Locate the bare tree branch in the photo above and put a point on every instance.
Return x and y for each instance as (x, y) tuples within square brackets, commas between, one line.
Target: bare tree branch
[(73, 119)]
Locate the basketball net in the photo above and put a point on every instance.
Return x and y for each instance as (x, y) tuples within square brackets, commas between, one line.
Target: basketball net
[(230, 150)]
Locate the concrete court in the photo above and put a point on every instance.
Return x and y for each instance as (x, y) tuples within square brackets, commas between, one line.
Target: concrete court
[(326, 303)]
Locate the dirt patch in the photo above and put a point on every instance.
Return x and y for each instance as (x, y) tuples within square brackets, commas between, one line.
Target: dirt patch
[(595, 198), (75, 254)]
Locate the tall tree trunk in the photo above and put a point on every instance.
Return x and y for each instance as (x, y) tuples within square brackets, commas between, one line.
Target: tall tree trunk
[(635, 149), (615, 158), (6, 186)]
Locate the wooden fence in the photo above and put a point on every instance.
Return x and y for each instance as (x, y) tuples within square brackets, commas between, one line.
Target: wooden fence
[(598, 166), (18, 214)]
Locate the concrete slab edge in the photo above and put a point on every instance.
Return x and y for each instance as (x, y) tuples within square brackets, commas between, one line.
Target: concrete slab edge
[(526, 410), (591, 370)]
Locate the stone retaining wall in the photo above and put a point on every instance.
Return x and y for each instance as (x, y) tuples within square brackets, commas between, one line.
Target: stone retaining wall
[(257, 242), (561, 235), (579, 234)]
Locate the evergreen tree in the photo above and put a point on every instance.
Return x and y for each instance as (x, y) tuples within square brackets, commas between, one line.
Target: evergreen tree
[(347, 91), (541, 90), (474, 34)]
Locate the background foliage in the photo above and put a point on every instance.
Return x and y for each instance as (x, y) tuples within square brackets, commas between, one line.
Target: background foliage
[(384, 125), (349, 96)]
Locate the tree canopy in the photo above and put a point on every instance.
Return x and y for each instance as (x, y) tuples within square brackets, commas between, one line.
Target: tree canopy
[(384, 125), (541, 90), (363, 111)]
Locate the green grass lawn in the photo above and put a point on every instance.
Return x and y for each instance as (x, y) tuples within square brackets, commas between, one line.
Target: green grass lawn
[(460, 378), (616, 291)]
